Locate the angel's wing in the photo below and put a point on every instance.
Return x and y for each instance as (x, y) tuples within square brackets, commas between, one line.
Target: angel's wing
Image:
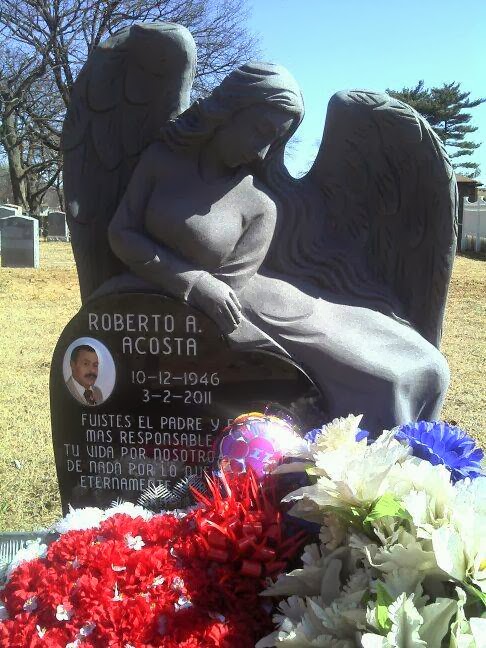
[(129, 87), (385, 185)]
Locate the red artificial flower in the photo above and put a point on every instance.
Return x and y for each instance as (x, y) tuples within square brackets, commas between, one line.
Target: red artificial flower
[(175, 582)]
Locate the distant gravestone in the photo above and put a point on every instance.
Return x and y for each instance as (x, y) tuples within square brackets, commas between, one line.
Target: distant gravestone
[(57, 229), (5, 212), (10, 210), (20, 242), (160, 383)]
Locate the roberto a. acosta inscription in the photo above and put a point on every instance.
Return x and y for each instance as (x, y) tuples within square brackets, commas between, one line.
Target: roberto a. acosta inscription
[(151, 384)]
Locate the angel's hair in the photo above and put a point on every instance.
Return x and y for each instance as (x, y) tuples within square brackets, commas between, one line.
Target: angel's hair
[(248, 85)]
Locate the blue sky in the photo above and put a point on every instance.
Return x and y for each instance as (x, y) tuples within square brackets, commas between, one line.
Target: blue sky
[(332, 45)]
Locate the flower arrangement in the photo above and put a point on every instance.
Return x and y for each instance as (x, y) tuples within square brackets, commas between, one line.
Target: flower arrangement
[(125, 578), (399, 559)]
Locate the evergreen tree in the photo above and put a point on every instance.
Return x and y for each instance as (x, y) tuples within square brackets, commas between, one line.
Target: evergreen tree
[(445, 109)]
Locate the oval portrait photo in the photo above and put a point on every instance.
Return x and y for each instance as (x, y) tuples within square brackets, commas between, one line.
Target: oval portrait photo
[(89, 371)]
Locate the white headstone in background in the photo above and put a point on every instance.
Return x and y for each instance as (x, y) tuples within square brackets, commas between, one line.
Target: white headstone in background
[(57, 229), (20, 242), (10, 210), (473, 226)]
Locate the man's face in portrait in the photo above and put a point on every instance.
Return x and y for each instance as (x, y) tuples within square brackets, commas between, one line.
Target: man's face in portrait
[(85, 368)]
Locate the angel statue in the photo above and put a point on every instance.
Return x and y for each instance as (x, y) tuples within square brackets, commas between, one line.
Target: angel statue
[(346, 269)]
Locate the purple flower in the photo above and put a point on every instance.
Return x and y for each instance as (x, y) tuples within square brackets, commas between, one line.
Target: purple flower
[(441, 443)]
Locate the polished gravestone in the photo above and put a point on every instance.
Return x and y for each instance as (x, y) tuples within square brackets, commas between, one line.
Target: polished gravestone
[(10, 210), (166, 384), (20, 242), (5, 212), (57, 229)]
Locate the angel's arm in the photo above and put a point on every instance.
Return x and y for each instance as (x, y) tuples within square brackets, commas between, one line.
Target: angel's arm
[(158, 263), (147, 258)]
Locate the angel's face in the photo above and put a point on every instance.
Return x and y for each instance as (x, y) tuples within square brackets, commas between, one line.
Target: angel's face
[(249, 134)]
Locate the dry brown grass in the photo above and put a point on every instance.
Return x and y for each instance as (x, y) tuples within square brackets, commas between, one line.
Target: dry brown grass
[(464, 345), (35, 305)]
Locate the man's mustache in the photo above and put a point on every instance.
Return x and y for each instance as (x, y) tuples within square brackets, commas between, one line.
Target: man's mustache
[(91, 375)]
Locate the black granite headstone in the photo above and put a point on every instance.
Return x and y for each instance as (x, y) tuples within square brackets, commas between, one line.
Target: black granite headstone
[(57, 229), (20, 242), (166, 383)]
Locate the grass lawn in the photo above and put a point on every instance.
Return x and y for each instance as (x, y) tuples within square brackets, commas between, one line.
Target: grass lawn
[(35, 305)]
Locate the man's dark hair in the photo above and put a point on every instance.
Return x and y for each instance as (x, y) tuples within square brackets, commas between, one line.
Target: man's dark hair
[(77, 350)]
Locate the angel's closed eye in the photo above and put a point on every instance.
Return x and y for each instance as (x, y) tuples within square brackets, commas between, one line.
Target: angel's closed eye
[(266, 129)]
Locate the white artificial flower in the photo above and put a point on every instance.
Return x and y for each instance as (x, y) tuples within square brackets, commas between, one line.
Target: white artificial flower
[(116, 594), (405, 623), (40, 631), (470, 495), (338, 434), (406, 553), (177, 583), (118, 568), (318, 574), (412, 624), (33, 549), (87, 629), (63, 614), (449, 551), (419, 476), (372, 640), (127, 508), (134, 542), (308, 623), (478, 631), (462, 555), (467, 518), (467, 633), (91, 517), (348, 479), (80, 519), (333, 532), (417, 505), (436, 621), (158, 580), (405, 580), (182, 603)]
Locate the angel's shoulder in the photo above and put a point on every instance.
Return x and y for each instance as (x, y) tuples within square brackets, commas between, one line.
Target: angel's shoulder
[(156, 156), (263, 197)]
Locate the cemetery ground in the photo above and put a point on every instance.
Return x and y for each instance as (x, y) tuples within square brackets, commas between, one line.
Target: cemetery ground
[(35, 305)]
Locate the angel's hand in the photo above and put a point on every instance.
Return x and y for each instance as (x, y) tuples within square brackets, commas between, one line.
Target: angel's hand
[(217, 300)]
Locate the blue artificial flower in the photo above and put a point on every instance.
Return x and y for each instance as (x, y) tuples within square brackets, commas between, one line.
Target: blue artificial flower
[(441, 443), (312, 435), (362, 434)]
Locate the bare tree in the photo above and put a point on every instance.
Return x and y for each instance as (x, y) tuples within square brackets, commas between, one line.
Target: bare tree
[(28, 132), (44, 43), (6, 195)]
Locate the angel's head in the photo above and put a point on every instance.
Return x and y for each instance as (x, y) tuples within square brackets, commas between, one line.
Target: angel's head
[(249, 116)]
